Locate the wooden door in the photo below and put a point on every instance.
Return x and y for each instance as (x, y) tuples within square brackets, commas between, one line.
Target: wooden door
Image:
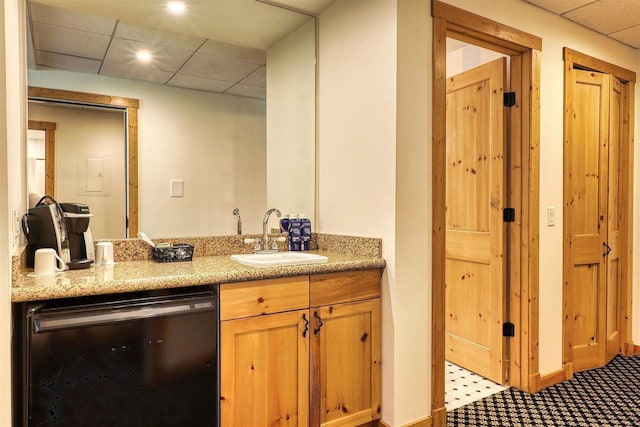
[(475, 198), (264, 363), (345, 364), (614, 270), (587, 175)]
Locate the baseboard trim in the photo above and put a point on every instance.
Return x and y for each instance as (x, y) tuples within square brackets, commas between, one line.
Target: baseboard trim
[(555, 377), (628, 349), (636, 349), (424, 422), (534, 383)]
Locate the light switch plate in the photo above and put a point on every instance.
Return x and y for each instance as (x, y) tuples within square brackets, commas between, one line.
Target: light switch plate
[(176, 188), (551, 216)]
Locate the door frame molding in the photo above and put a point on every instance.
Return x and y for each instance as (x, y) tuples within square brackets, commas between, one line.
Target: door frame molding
[(49, 129), (571, 58), (523, 190), (130, 106)]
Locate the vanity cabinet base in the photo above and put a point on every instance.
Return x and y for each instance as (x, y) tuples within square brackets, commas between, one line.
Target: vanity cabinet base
[(317, 365)]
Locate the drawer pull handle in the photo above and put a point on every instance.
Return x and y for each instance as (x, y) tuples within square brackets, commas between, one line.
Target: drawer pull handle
[(316, 330), (306, 325)]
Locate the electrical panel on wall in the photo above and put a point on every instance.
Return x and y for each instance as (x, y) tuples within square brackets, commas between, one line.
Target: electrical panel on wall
[(94, 174)]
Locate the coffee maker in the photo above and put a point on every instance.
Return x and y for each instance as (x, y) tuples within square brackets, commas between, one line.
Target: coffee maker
[(76, 219), (63, 227)]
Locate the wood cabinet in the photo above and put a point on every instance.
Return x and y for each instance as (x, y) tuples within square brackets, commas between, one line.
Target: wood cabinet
[(301, 351)]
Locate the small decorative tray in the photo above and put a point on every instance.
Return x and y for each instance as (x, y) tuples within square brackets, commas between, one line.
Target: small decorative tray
[(176, 253)]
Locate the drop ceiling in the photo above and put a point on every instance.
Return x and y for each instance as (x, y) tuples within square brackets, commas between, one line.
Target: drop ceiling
[(215, 46), (618, 19)]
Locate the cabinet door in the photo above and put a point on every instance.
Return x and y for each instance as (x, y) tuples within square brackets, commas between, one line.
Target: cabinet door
[(345, 364), (264, 364)]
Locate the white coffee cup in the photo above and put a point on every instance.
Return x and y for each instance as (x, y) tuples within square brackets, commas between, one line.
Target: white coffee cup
[(45, 262), (104, 253)]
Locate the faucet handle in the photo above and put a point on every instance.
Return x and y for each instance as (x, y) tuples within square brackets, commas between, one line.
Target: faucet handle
[(256, 244)]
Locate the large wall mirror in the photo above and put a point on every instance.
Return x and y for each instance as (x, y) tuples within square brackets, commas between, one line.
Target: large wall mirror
[(225, 110)]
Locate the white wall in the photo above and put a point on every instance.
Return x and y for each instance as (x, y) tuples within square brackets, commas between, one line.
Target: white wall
[(291, 114), (412, 294), (214, 142), (357, 99), (469, 57), (89, 131), (12, 176)]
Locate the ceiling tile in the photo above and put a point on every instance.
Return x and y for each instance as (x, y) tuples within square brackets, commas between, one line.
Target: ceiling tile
[(164, 38), (246, 90), (70, 19), (213, 67), (164, 58), (232, 51), (257, 78), (136, 73), (70, 42), (67, 62), (607, 16), (192, 82), (560, 6), (630, 36)]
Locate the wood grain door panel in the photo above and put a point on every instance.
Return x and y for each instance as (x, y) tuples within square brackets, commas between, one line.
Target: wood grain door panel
[(265, 371), (614, 272), (345, 373), (592, 219), (475, 198)]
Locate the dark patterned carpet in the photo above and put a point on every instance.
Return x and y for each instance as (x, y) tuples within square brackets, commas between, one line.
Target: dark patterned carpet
[(604, 397)]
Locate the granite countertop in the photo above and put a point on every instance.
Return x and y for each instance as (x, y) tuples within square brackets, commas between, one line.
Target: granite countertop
[(131, 276)]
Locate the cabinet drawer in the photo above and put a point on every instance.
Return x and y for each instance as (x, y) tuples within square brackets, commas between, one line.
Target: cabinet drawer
[(345, 286), (247, 299)]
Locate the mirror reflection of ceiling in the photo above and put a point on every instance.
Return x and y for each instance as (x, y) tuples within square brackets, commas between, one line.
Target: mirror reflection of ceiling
[(215, 46), (618, 19)]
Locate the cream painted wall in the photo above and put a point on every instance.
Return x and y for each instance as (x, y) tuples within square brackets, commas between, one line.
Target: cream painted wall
[(12, 177), (412, 294), (556, 33), (214, 142), (469, 57), (357, 161), (89, 131), (291, 113)]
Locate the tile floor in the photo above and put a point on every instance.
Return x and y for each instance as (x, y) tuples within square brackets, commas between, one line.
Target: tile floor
[(462, 387)]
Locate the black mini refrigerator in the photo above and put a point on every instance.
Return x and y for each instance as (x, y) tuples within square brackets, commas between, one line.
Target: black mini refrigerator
[(148, 360)]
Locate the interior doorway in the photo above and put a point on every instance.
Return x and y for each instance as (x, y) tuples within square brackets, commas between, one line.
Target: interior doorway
[(41, 158), (476, 239), (598, 215), (523, 50), (84, 161)]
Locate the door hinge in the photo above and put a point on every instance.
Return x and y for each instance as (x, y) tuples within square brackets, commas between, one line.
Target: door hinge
[(509, 215), (509, 99), (508, 329)]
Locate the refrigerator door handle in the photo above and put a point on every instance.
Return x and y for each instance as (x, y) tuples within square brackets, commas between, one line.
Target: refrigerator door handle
[(81, 318)]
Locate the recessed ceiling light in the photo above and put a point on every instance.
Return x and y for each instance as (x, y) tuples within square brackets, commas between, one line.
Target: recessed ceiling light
[(144, 56), (176, 7)]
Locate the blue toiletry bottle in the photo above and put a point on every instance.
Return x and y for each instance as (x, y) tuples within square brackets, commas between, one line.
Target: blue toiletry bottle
[(305, 224), (284, 224), (295, 233)]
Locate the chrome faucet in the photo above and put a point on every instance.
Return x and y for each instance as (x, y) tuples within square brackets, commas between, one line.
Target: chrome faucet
[(265, 222), (236, 212)]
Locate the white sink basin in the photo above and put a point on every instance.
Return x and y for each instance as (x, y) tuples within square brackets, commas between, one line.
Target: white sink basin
[(279, 258)]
